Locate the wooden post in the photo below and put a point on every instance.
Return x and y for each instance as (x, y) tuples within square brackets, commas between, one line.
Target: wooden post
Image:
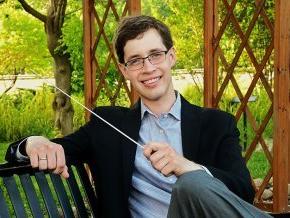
[(134, 8), (281, 105), (89, 69), (210, 56)]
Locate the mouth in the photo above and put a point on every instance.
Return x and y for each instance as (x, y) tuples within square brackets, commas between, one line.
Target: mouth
[(152, 81)]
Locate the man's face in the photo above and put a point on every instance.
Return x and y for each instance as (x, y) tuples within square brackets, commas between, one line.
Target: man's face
[(152, 82)]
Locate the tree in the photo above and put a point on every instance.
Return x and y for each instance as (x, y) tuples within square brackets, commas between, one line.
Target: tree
[(22, 42), (53, 22), (185, 19)]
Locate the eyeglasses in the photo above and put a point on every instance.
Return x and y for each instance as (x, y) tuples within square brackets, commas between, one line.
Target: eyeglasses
[(154, 58)]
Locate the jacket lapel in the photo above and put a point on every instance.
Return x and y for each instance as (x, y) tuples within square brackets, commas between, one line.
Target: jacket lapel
[(190, 129), (131, 126)]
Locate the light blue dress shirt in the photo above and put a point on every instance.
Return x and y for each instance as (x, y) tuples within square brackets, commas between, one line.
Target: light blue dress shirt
[(151, 191)]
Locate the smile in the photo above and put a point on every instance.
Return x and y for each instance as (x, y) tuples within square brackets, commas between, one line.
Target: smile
[(151, 81)]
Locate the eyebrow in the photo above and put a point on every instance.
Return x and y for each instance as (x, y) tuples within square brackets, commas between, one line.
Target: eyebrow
[(150, 52)]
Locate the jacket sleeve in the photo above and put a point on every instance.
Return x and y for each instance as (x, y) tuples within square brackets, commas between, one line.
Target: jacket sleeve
[(14, 148), (230, 166), (76, 145)]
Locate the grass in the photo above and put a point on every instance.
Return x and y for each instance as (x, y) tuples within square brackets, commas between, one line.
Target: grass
[(258, 165), (3, 148)]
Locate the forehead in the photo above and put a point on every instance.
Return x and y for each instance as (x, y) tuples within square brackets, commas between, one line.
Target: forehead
[(143, 44)]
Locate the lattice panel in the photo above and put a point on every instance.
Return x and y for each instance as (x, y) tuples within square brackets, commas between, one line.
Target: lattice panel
[(110, 84), (244, 46)]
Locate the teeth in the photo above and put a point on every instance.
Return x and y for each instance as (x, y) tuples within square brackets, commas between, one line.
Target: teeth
[(151, 80)]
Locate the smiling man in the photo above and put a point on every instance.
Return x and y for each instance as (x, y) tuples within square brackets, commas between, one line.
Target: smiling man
[(191, 164)]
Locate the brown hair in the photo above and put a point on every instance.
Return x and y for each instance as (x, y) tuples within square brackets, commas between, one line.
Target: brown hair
[(132, 26)]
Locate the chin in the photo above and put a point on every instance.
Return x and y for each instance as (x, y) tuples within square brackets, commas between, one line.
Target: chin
[(154, 95)]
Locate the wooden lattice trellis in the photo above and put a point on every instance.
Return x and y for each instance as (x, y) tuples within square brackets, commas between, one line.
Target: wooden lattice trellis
[(220, 17), (98, 37)]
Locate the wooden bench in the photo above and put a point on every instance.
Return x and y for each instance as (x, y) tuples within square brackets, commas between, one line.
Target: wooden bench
[(43, 193), (26, 192)]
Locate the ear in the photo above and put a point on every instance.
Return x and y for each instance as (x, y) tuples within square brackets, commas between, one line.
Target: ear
[(123, 70), (172, 57)]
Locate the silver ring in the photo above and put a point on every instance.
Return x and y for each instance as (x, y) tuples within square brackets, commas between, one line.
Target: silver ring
[(42, 158)]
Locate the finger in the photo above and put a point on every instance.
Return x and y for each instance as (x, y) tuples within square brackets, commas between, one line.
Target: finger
[(60, 160), (157, 156), (161, 163), (42, 161), (157, 145), (65, 173), (147, 151), (34, 159), (51, 160), (168, 170), (150, 148)]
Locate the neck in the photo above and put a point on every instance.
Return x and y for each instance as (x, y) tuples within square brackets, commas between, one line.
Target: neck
[(162, 105)]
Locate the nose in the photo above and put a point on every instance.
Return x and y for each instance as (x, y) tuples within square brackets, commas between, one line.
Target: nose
[(148, 66)]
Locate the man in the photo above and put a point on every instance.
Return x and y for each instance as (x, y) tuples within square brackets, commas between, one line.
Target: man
[(191, 164)]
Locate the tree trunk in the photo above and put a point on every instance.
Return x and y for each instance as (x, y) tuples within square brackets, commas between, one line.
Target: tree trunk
[(61, 104), (53, 23)]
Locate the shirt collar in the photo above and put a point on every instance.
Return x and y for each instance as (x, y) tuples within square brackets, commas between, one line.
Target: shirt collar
[(174, 110)]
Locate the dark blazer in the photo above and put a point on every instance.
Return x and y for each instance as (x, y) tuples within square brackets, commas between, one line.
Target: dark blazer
[(209, 138)]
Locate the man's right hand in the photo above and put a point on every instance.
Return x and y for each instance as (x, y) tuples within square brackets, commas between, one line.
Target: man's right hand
[(46, 155)]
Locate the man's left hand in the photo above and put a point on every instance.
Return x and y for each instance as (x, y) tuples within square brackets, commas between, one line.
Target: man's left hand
[(166, 160)]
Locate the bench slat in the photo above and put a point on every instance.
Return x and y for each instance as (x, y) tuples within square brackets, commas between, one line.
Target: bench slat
[(54, 196), (88, 188), (14, 194), (76, 194), (31, 195), (62, 196), (4, 209), (47, 195)]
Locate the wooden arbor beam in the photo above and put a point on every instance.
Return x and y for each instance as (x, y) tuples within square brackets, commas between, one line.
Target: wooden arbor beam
[(89, 71), (281, 165), (210, 56), (134, 7)]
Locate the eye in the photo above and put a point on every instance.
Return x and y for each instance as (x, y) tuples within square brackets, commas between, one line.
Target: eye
[(156, 55), (134, 62)]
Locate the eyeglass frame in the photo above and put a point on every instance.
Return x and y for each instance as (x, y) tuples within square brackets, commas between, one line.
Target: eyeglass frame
[(147, 57)]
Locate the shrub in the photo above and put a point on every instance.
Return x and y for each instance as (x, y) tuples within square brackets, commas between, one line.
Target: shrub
[(193, 94), (26, 113)]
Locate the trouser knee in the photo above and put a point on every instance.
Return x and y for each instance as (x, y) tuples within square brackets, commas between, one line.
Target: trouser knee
[(197, 194), (194, 185)]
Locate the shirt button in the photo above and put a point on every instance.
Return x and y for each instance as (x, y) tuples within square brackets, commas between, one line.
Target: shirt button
[(161, 131), (165, 115)]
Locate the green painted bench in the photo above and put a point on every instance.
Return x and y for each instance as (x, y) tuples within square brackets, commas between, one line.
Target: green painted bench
[(27, 192)]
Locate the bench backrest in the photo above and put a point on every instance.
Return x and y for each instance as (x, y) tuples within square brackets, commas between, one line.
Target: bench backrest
[(26, 192)]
